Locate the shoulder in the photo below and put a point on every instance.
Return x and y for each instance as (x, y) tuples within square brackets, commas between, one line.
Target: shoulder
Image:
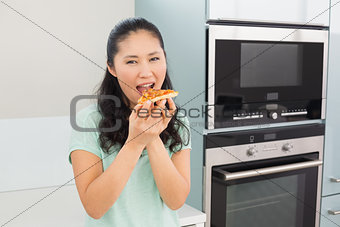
[(88, 115), (183, 119)]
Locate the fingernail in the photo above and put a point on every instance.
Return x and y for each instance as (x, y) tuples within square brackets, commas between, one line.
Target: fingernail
[(148, 101)]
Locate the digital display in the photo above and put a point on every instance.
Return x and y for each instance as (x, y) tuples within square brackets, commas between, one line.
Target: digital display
[(271, 136)]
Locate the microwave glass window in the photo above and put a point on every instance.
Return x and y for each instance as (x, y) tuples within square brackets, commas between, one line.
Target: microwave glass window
[(271, 65)]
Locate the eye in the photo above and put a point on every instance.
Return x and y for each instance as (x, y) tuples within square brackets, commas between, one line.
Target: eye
[(131, 62), (154, 59)]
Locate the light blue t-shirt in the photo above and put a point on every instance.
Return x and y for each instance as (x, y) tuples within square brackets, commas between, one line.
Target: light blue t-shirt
[(140, 203)]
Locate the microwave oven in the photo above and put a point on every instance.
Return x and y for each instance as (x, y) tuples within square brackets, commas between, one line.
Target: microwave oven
[(265, 73)]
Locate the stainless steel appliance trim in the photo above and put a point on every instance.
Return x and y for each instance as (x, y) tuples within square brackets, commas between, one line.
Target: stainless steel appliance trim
[(269, 22), (211, 78), (325, 65), (265, 34), (323, 109), (238, 153), (226, 176), (335, 180), (324, 78), (332, 212)]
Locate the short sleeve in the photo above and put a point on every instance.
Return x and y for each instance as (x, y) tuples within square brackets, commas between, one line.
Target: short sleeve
[(85, 140), (184, 132)]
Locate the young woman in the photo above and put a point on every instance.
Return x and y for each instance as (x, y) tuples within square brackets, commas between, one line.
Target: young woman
[(138, 174)]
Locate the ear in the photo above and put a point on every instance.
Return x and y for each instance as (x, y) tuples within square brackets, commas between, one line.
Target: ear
[(111, 70)]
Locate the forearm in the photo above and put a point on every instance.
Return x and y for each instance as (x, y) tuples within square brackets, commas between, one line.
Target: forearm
[(103, 192), (172, 186)]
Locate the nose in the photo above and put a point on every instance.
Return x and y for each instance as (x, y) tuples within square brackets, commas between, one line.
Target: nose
[(145, 70)]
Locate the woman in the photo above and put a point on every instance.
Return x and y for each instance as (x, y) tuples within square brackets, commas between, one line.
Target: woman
[(138, 175)]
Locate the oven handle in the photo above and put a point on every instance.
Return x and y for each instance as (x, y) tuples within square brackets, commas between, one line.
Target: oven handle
[(226, 176)]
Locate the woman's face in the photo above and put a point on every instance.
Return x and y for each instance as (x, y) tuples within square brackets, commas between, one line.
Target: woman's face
[(139, 64)]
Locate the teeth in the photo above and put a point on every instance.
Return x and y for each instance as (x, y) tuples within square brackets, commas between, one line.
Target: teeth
[(146, 85)]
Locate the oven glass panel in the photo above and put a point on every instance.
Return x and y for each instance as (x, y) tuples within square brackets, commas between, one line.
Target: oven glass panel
[(271, 65), (266, 202)]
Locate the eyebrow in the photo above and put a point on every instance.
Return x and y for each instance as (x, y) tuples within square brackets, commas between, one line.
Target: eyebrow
[(135, 56)]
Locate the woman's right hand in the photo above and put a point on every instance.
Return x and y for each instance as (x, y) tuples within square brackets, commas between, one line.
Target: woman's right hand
[(146, 123)]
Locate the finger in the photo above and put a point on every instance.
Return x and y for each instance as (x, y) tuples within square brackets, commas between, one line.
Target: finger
[(158, 102), (161, 103), (138, 106), (147, 104), (135, 110), (146, 109), (133, 114), (161, 107)]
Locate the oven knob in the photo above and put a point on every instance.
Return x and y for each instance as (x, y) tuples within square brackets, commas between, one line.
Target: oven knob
[(287, 147), (272, 115), (251, 151)]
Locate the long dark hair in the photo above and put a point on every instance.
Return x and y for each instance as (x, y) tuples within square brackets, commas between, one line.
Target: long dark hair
[(110, 86)]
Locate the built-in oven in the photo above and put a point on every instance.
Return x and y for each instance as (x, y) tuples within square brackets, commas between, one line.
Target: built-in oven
[(264, 177), (262, 73)]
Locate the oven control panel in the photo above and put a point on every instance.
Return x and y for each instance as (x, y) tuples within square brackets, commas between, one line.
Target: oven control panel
[(270, 114), (244, 114), (251, 145), (266, 150), (284, 147)]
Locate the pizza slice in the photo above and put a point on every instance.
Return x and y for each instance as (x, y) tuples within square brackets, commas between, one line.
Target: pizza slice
[(155, 95)]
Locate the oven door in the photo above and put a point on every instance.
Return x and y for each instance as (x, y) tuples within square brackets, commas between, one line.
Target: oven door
[(278, 192)]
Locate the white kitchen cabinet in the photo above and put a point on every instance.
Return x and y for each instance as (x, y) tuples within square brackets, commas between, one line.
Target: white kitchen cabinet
[(331, 189), (332, 145), (329, 205), (291, 11), (51, 206)]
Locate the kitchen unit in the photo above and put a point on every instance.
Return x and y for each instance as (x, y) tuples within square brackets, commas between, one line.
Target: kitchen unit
[(262, 73), (330, 205)]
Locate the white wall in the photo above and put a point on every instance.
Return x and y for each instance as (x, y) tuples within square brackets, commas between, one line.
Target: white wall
[(45, 47)]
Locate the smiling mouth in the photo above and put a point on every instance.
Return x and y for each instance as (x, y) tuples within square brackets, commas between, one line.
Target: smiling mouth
[(144, 87)]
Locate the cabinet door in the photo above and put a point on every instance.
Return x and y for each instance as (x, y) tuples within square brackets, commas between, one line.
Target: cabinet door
[(330, 203), (291, 11), (41, 207), (332, 142)]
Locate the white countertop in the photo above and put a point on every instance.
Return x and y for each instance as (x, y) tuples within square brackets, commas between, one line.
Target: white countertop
[(190, 216)]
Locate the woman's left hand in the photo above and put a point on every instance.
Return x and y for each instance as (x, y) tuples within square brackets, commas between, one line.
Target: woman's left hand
[(167, 114)]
